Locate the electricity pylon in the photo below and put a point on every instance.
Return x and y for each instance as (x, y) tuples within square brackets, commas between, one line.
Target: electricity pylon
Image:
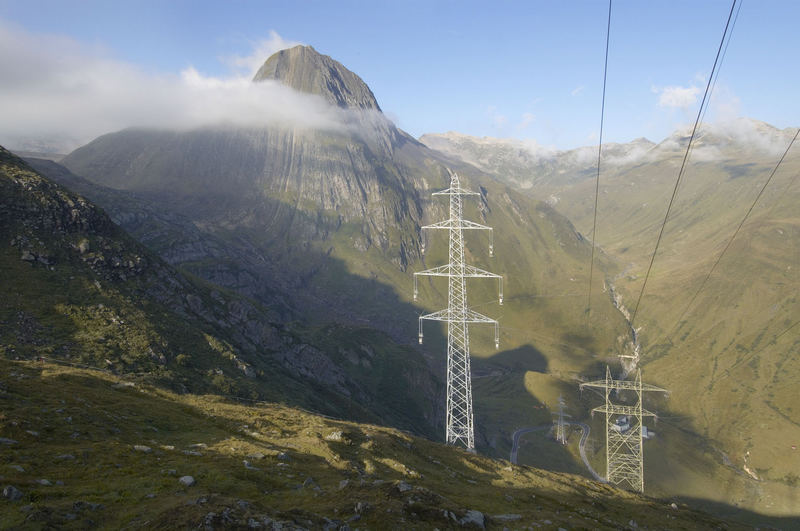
[(458, 316), (624, 451), (561, 434)]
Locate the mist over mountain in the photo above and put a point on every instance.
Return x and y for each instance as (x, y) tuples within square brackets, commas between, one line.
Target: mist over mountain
[(60, 101)]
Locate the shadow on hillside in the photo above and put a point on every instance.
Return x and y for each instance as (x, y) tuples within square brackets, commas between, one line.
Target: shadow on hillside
[(259, 248), (521, 359), (504, 403), (730, 512), (104, 412), (261, 252)]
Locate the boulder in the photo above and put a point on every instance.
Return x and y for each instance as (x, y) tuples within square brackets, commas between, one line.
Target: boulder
[(474, 518), (12, 493)]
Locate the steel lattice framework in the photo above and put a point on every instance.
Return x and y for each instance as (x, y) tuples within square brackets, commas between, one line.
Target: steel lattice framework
[(561, 433), (624, 450), (458, 315)]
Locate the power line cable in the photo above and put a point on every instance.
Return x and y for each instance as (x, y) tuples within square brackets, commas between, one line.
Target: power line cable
[(683, 164), (759, 351), (722, 60), (599, 150), (735, 233)]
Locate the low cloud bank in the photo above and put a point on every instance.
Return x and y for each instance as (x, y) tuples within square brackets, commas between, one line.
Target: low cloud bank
[(729, 138), (57, 94)]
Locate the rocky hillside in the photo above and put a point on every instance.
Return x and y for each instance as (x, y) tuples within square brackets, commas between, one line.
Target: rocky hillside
[(82, 291), (153, 436), (86, 449)]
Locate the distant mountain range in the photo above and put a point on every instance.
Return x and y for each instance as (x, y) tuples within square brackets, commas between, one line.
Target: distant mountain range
[(543, 170)]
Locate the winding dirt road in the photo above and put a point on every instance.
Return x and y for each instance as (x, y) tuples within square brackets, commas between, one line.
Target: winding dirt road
[(585, 429)]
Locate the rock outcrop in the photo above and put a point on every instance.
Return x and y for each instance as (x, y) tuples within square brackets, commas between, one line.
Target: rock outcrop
[(306, 70)]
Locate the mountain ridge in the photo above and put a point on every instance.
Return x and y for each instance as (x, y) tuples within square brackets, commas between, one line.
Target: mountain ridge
[(306, 70)]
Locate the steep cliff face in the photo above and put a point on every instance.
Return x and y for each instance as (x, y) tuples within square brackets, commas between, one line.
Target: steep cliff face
[(286, 203)]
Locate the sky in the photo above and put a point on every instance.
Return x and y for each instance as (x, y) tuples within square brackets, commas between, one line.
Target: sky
[(72, 70)]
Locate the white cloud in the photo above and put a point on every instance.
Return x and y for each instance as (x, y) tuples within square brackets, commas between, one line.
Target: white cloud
[(577, 90), (677, 97), (754, 135), (58, 94), (248, 65), (498, 119), (725, 106), (527, 119), (536, 149)]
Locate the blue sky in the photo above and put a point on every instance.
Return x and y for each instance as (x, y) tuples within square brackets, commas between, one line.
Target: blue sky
[(529, 70)]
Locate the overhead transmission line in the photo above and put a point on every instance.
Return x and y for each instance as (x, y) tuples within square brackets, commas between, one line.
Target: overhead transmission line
[(735, 233), (597, 181), (752, 354), (700, 112), (722, 60)]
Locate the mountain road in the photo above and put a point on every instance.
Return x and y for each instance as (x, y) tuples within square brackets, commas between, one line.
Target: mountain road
[(585, 429)]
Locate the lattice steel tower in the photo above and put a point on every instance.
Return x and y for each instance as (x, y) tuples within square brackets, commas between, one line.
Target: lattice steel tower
[(458, 316), (624, 430), (561, 433)]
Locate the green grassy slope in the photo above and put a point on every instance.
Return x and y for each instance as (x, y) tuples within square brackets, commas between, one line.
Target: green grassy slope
[(730, 358), (88, 449), (731, 355)]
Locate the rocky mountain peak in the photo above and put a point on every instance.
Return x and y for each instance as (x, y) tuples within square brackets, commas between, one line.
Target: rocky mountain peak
[(305, 69)]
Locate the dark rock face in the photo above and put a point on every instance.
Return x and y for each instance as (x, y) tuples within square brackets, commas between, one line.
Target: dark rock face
[(134, 312), (260, 211), (306, 70)]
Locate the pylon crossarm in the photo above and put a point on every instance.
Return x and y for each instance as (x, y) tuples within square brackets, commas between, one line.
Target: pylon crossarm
[(455, 191), (449, 270), (448, 315), (469, 316), (474, 272), (623, 384), (617, 409), (475, 317), (463, 224)]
